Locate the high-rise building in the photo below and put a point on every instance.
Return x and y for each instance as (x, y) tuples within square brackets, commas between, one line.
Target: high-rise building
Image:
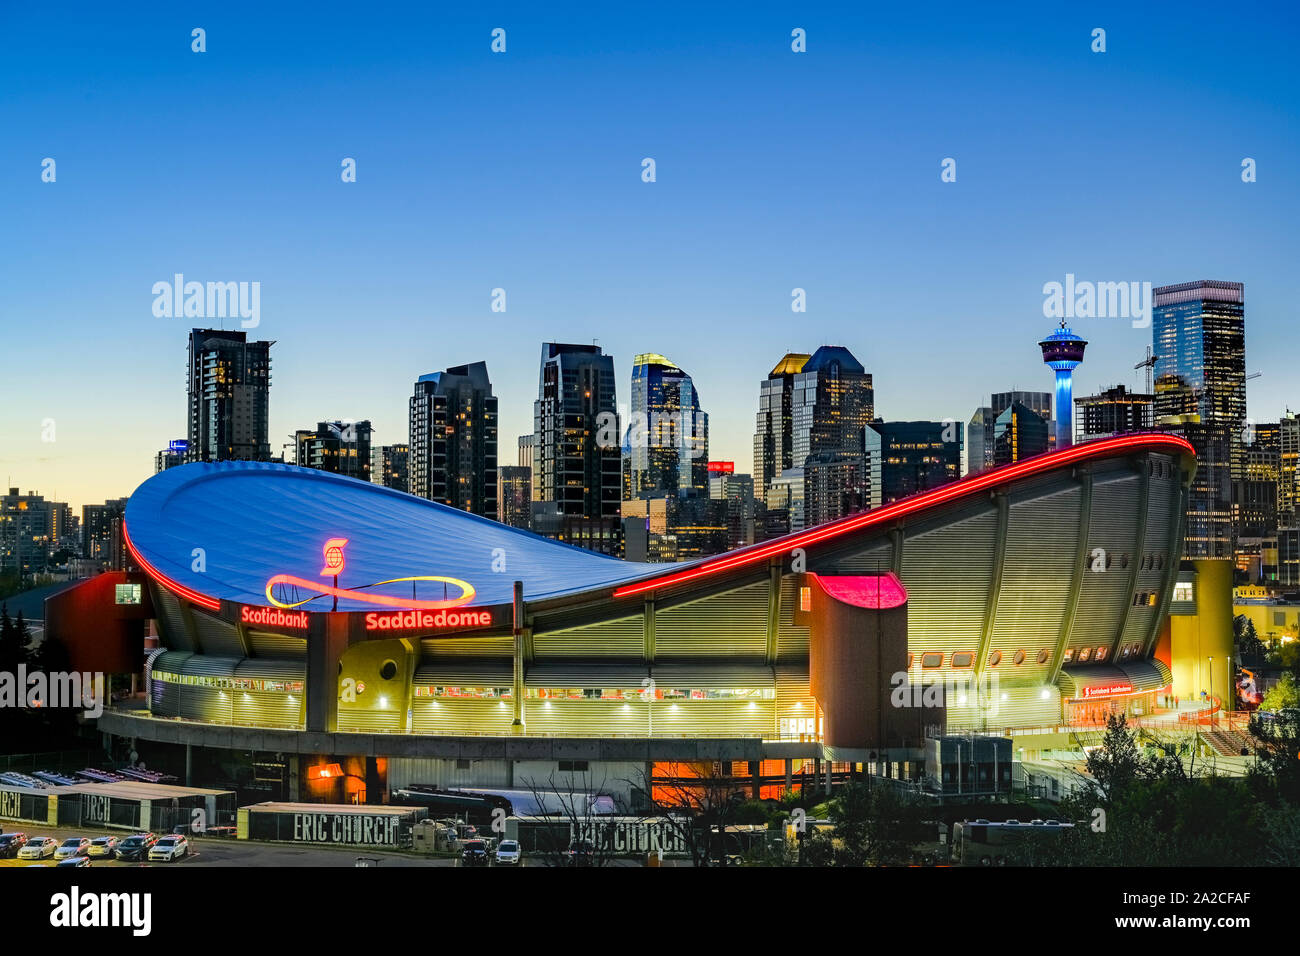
[(101, 533), (514, 495), (171, 456), (390, 466), (453, 440), (774, 437), (737, 490), (784, 509), (229, 382), (527, 443), (912, 457), (833, 401), (26, 538), (342, 447), (1288, 481), (837, 484), (979, 432), (1256, 493), (667, 437), (1063, 353), (577, 473), (1198, 333), (1019, 433), (1114, 411), (673, 528)]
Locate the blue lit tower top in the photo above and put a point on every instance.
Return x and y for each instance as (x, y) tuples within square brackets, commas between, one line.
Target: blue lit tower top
[(1063, 353)]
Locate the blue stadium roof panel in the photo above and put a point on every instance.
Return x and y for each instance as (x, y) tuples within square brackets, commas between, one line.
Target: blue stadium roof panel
[(226, 529)]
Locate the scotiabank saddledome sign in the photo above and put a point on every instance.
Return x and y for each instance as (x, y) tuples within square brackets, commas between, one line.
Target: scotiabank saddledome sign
[(1107, 690), (287, 592)]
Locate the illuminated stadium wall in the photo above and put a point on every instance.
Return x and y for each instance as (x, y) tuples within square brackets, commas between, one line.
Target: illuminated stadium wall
[(1044, 578)]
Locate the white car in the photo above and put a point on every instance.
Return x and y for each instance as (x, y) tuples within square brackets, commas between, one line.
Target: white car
[(37, 848), (169, 849), (72, 846), (103, 846), (508, 853)]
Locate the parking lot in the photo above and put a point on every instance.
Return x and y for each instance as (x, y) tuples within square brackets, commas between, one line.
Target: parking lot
[(227, 851)]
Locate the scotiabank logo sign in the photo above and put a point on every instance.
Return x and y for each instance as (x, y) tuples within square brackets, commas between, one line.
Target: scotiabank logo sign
[(273, 617), (427, 620), (1108, 690)]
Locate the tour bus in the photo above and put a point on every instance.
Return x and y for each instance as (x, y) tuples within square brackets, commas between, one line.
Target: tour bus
[(982, 843)]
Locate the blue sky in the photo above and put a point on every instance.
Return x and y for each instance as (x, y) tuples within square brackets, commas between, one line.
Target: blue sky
[(522, 171)]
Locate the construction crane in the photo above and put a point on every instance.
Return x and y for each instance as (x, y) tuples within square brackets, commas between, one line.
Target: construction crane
[(1148, 363)]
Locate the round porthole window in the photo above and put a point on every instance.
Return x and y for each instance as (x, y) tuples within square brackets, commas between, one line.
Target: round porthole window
[(995, 659), (1042, 657), (388, 670), (1019, 658)]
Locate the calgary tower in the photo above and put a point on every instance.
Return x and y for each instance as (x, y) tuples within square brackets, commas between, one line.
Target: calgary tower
[(1063, 353)]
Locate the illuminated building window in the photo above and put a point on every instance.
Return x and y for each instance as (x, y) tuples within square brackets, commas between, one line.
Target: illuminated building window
[(1084, 654), (962, 659), (1101, 654), (805, 599), (932, 659), (1183, 591), (1069, 655)]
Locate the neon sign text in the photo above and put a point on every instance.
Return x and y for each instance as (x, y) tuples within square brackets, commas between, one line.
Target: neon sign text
[(410, 620), (273, 617), (1108, 690)]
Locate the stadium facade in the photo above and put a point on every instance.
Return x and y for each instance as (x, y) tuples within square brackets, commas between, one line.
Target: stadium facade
[(312, 615)]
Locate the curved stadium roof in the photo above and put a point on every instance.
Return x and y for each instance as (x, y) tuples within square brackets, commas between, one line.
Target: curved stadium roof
[(256, 520)]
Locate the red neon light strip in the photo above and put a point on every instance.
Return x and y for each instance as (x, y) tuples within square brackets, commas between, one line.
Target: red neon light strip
[(202, 600), (911, 506)]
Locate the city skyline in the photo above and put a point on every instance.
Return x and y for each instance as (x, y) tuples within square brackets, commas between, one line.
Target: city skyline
[(775, 171)]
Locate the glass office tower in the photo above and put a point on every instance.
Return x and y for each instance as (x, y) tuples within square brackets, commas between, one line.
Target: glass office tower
[(1198, 333), (667, 434)]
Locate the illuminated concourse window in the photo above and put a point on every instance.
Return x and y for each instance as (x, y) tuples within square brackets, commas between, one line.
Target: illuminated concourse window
[(660, 693), (230, 683), (1084, 654), (1183, 591), (477, 693), (1069, 655), (1101, 654)]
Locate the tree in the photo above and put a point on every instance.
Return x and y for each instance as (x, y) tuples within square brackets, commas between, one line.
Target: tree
[(13, 646), (571, 830), (1117, 763), (696, 802), (1282, 695), (874, 824)]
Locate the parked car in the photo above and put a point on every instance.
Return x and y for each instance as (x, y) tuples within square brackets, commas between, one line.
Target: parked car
[(74, 861), (169, 849), (580, 853), (102, 846), (135, 849), (38, 848), (11, 843), (72, 846), (509, 854), (474, 853)]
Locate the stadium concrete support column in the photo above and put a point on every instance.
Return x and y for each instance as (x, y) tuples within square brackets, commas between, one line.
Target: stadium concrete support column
[(1175, 548), (773, 609), (1080, 569), (517, 687), (995, 583), (1139, 549), (324, 653)]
